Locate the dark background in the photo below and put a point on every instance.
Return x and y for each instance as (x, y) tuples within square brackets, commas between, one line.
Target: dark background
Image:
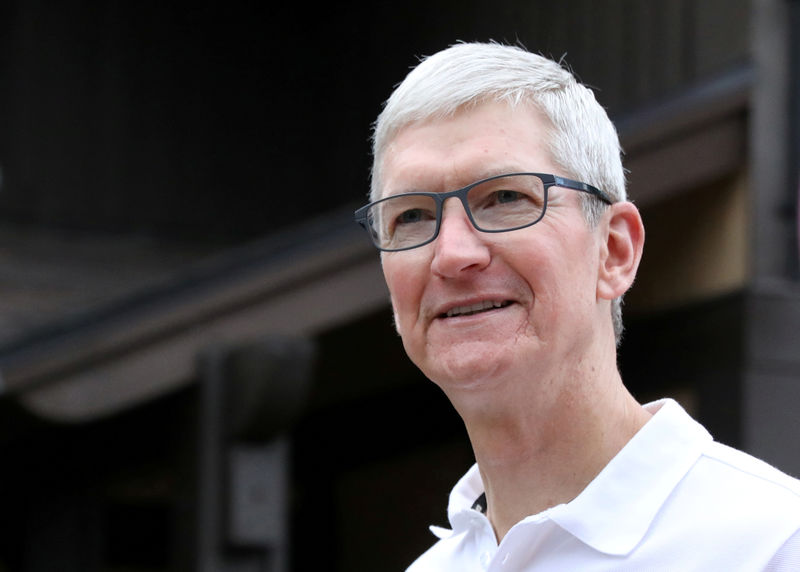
[(224, 121), (184, 130)]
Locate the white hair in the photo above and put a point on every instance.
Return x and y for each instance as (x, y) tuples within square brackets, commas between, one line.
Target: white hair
[(582, 139)]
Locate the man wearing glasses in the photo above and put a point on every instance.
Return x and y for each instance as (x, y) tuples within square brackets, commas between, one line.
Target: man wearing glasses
[(507, 243)]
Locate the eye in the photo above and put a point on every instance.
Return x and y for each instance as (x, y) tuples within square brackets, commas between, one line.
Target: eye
[(411, 216), (507, 196)]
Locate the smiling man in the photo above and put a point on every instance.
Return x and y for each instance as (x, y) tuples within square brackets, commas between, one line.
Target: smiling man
[(507, 241)]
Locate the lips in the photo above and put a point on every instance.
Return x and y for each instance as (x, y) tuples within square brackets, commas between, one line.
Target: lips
[(471, 309)]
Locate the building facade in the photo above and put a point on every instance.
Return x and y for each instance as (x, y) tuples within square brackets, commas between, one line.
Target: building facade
[(199, 368)]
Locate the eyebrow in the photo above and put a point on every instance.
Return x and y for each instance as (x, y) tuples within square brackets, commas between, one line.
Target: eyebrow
[(483, 174)]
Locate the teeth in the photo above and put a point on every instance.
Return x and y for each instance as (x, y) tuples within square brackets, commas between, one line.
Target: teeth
[(475, 308)]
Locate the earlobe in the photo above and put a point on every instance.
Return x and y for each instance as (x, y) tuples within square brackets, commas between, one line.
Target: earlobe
[(622, 250)]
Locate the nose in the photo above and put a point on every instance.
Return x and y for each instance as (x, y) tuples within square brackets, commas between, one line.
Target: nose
[(459, 247)]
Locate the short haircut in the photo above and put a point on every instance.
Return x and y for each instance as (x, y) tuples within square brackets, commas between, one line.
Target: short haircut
[(582, 138)]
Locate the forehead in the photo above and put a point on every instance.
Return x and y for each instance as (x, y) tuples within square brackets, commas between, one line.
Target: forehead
[(443, 153)]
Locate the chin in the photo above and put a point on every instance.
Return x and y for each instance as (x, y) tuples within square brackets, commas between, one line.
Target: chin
[(466, 368)]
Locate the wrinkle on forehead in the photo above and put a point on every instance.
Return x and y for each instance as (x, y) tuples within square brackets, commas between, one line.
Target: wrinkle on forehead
[(449, 153)]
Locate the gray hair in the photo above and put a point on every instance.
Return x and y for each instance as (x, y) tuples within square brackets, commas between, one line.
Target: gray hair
[(582, 139)]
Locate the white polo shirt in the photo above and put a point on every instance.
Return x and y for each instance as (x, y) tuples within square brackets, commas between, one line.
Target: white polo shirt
[(672, 499)]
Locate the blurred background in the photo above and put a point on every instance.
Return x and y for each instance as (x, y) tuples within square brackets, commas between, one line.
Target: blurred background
[(198, 369)]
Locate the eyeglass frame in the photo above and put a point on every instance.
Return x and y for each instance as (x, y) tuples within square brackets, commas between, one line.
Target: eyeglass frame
[(548, 180)]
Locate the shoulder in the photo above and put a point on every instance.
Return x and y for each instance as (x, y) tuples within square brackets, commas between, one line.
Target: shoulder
[(750, 471), (739, 490), (733, 508)]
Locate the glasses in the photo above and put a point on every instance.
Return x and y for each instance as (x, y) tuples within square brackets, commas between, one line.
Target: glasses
[(497, 204)]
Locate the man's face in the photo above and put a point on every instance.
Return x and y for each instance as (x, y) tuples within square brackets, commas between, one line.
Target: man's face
[(475, 309)]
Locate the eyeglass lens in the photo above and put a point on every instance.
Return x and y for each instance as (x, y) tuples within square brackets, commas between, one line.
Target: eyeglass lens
[(502, 203)]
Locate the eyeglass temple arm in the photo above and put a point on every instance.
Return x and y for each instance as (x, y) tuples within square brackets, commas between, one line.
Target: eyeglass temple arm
[(584, 187)]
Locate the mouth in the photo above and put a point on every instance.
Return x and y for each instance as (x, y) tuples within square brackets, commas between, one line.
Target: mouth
[(477, 308)]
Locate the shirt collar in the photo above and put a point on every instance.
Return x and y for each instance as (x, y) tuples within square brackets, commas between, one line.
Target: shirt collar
[(614, 512), (459, 510)]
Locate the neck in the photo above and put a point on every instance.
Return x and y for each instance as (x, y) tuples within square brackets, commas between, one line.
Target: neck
[(536, 452)]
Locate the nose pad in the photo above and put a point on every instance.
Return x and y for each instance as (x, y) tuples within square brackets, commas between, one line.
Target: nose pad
[(459, 246)]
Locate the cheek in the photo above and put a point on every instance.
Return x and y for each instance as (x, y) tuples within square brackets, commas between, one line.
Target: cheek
[(560, 278), (574, 289), (405, 287)]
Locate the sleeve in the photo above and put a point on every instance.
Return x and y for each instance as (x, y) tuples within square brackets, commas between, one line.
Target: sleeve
[(788, 557)]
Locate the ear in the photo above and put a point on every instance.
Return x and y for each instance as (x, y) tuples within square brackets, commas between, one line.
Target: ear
[(621, 252)]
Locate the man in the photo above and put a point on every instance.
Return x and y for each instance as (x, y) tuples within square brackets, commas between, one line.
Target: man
[(507, 243)]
